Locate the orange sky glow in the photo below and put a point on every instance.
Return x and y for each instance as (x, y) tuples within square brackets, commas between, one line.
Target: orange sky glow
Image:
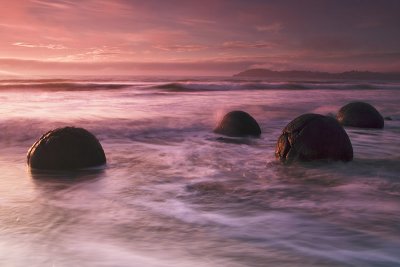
[(219, 37)]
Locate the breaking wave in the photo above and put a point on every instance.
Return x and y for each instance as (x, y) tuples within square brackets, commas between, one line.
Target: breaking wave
[(242, 86), (194, 85), (59, 85)]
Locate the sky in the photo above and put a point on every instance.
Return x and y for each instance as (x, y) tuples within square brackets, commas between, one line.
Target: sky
[(193, 37)]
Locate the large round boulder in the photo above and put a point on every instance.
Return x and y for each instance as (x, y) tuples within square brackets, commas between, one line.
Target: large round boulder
[(361, 115), (238, 124), (314, 137), (66, 148)]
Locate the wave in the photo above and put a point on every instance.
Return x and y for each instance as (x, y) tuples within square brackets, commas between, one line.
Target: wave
[(189, 85), (242, 86), (60, 85)]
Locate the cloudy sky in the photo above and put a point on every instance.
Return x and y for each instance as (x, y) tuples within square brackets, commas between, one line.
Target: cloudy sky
[(207, 37)]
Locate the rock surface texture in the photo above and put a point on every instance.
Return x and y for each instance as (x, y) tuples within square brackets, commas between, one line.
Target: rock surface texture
[(238, 124), (313, 137), (66, 148)]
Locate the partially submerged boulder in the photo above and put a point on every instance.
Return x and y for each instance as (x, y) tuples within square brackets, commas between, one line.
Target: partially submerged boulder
[(361, 115), (238, 124), (314, 137), (66, 148)]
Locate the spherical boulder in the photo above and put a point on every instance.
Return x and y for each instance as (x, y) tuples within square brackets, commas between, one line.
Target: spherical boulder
[(361, 115), (66, 148), (313, 137), (238, 124)]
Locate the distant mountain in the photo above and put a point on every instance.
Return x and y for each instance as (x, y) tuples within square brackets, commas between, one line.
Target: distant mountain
[(298, 74)]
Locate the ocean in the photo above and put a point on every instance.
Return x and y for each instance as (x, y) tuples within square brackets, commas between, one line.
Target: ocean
[(172, 194)]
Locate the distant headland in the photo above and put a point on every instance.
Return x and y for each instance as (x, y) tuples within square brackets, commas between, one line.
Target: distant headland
[(299, 74)]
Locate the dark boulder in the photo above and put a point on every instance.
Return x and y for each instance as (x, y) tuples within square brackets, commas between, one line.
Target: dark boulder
[(238, 124), (314, 137), (66, 148), (361, 115)]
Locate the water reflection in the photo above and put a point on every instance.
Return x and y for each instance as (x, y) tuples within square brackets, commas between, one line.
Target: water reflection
[(49, 180)]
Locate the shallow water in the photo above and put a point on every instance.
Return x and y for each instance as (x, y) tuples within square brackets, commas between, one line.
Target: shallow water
[(172, 195)]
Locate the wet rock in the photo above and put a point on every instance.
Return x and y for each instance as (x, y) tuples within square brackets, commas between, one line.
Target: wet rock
[(330, 114), (361, 115), (66, 148), (388, 118), (238, 124), (314, 137)]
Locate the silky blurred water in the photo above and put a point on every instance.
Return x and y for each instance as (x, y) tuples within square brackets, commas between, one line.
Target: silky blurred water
[(173, 195)]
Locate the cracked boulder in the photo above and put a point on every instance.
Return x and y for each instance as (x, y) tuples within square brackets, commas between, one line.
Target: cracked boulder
[(314, 137)]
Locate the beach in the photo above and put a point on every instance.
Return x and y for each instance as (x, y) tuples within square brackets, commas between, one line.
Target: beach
[(172, 194)]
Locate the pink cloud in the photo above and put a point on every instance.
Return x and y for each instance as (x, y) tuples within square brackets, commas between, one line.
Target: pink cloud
[(196, 22), (53, 4), (48, 46), (274, 27), (35, 67), (224, 65), (180, 48), (93, 54), (246, 45), (165, 31)]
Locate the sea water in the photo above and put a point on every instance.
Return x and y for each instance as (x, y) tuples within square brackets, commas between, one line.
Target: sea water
[(172, 194)]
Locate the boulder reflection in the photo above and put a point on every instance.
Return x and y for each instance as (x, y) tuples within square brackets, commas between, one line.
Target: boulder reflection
[(59, 180)]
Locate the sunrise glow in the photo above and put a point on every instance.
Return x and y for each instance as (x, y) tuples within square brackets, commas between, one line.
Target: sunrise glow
[(196, 37)]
